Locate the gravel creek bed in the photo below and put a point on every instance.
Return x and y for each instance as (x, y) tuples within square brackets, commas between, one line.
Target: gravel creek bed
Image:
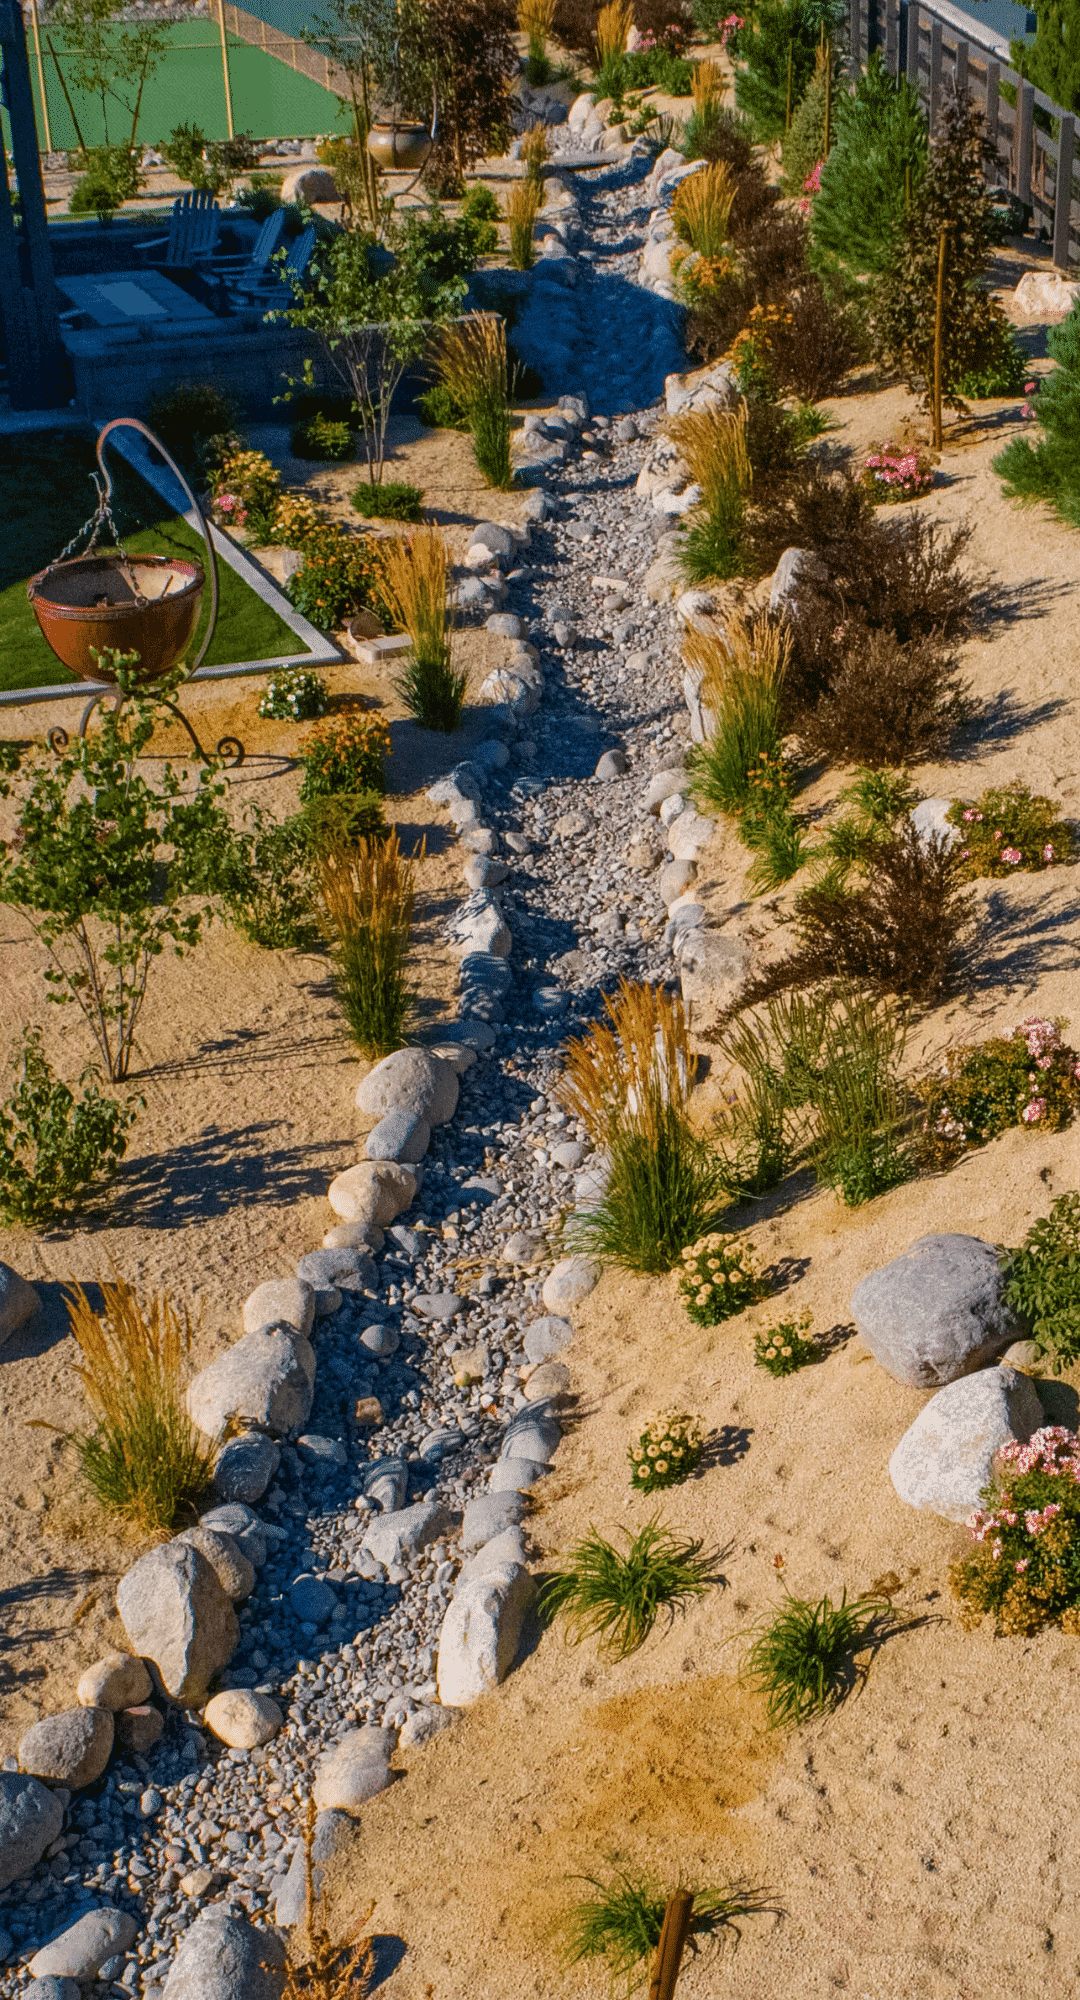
[(193, 1823)]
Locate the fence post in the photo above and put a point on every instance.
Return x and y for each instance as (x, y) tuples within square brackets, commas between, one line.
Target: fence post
[(892, 37), (962, 68), (913, 44), (1025, 119), (855, 58), (1063, 192), (935, 73), (993, 86)]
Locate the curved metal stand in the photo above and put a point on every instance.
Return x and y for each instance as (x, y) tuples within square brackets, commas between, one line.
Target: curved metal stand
[(229, 747)]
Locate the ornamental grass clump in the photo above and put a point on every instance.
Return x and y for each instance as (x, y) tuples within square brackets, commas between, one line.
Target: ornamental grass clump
[(667, 1452), (803, 1659), (1023, 1569), (535, 150), (621, 1921), (628, 1081), (719, 1278), (1029, 1077), (1008, 830), (522, 208), (701, 210), (366, 897), (416, 569), (616, 1599), (536, 18), (144, 1459), (714, 444), (785, 1348), (1042, 1281), (471, 364)]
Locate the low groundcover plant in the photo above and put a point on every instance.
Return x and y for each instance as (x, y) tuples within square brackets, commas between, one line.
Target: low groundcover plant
[(718, 1279), (667, 1452), (1042, 1281), (1009, 829), (897, 472), (786, 1347), (1024, 1567), (1029, 1077), (293, 694)]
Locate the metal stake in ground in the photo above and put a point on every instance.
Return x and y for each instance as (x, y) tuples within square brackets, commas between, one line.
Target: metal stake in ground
[(669, 1951), (939, 319)]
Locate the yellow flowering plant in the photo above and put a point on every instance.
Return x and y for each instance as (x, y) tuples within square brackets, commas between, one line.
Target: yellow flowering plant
[(719, 1278), (668, 1451), (786, 1347)]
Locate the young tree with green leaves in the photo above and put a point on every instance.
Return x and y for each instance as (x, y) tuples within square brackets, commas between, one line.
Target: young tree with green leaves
[(111, 58)]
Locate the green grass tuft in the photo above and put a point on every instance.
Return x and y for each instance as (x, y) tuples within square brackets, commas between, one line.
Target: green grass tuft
[(803, 1658), (617, 1599), (622, 1920)]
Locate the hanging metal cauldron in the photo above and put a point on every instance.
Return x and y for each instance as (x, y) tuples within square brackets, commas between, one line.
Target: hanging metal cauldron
[(144, 604), (399, 148)]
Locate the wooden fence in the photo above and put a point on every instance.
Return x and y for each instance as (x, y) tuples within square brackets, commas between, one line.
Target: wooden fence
[(930, 43)]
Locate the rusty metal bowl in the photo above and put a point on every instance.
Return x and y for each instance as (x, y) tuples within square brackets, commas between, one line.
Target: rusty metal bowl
[(90, 602), (400, 147)]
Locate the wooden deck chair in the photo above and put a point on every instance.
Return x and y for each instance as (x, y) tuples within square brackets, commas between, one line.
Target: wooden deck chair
[(194, 229)]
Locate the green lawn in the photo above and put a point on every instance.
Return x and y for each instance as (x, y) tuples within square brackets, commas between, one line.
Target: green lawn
[(47, 497)]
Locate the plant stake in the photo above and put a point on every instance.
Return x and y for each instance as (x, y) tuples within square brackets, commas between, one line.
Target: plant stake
[(672, 1943), (939, 317)]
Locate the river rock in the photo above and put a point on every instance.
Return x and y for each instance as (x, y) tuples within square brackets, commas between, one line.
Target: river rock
[(516, 1475), (481, 1633), (266, 1379), (339, 1268), (488, 1515), (401, 1135), (234, 1570), (176, 1614), (422, 1725), (18, 1302), (936, 1312), (570, 1281), (311, 1600), (547, 1337), (280, 1302), (31, 1818), (242, 1719), (117, 1680), (224, 1957), (243, 1524), (374, 1191), (335, 1833), (79, 1951), (139, 1728), (408, 1529), (244, 1467), (354, 1771), (71, 1748), (410, 1080), (946, 1457)]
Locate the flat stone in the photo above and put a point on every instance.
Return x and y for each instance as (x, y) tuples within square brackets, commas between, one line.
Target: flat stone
[(224, 1957), (385, 1482), (315, 1449), (571, 1280), (354, 1771), (117, 1680), (335, 1834), (481, 1633), (266, 1379), (244, 1467), (52, 1988), (31, 1818), (546, 1337), (937, 1311), (368, 1413), (516, 1475), (280, 1302), (532, 1434), (487, 1516), (505, 625), (18, 1302), (70, 1749), (386, 651), (407, 1530), (311, 1600), (525, 1247), (242, 1718), (471, 1364), (413, 1080), (340, 1268), (401, 1135), (946, 1458), (176, 1614), (80, 1950), (437, 1305), (551, 1381)]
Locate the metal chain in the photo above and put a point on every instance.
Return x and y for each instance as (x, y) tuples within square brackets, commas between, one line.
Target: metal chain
[(102, 513)]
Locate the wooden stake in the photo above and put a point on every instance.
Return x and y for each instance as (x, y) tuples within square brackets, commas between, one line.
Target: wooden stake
[(939, 322), (828, 97), (41, 76), (787, 108), (225, 70), (672, 1943)]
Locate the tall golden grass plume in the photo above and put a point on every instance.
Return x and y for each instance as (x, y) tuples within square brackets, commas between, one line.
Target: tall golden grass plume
[(713, 443), (416, 569), (709, 85), (536, 19), (366, 896), (470, 357), (535, 149), (701, 210), (759, 648), (625, 1071), (612, 28), (522, 208)]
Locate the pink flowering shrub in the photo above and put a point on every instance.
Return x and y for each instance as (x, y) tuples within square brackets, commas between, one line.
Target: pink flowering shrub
[(1023, 1568), (728, 27), (894, 472), (1009, 828), (811, 187), (1030, 1077)]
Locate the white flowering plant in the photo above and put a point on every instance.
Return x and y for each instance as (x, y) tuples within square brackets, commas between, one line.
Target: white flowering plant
[(787, 1346), (668, 1451), (719, 1278), (294, 694)]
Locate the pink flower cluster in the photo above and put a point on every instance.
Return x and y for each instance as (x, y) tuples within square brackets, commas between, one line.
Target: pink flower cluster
[(1052, 1449), (1043, 1038), (230, 503), (729, 26), (1030, 389), (811, 186), (895, 468), (672, 37)]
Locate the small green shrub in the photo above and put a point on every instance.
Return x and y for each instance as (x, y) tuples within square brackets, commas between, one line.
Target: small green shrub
[(781, 849), (667, 1452), (261, 196), (473, 367), (112, 177), (880, 140), (1042, 1282), (622, 1921), (1009, 828), (440, 409), (394, 500), (340, 575), (480, 211), (1024, 1567), (322, 438), (195, 422), (718, 1279), (1002, 375), (616, 1599), (772, 34), (262, 875), (1029, 1077), (803, 1658), (787, 1346), (1050, 469), (714, 132), (53, 1144), (294, 694)]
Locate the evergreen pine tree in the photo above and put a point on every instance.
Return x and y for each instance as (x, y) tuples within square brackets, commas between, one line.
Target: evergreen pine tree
[(1052, 60), (1050, 470), (880, 134)]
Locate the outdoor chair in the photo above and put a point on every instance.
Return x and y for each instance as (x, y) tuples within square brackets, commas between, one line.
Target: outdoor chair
[(194, 229), (252, 268), (276, 278)]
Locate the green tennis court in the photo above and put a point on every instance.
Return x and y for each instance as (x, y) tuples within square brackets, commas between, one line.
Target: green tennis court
[(269, 99)]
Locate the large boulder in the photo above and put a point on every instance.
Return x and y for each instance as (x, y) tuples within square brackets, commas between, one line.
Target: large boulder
[(18, 1302), (117, 1680), (936, 1312), (374, 1192), (799, 580), (224, 1957), (31, 1818), (71, 1748), (309, 184), (354, 1771), (176, 1614), (410, 1080), (280, 1302), (80, 1950), (713, 968), (944, 1460), (266, 1379), (481, 1633)]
